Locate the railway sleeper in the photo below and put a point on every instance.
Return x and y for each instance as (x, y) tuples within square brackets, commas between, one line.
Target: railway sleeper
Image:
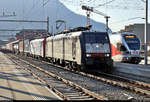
[(84, 99), (73, 94), (78, 96)]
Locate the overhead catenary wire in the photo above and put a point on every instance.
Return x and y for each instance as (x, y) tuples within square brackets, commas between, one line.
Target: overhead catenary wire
[(108, 2), (45, 3), (41, 5), (129, 19), (34, 8)]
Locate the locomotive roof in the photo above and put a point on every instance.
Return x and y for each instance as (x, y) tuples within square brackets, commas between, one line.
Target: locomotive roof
[(69, 35), (37, 40), (16, 41)]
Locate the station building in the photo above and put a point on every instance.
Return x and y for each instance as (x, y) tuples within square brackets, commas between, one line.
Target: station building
[(31, 34)]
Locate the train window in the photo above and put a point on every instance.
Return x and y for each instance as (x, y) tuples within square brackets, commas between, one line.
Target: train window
[(120, 47), (90, 38), (133, 42), (101, 38), (96, 38)]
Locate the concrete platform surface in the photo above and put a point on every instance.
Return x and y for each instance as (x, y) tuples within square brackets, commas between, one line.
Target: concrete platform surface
[(18, 84), (134, 69)]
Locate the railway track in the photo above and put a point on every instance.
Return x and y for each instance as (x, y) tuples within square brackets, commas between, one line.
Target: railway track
[(131, 85), (64, 88)]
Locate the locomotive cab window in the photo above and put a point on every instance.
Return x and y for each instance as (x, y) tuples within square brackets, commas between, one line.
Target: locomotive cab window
[(132, 41), (96, 38)]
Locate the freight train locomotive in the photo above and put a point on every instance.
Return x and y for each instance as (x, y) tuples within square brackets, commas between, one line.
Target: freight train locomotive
[(78, 50), (126, 47)]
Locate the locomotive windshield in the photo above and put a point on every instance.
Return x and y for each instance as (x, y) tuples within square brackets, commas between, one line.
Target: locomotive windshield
[(132, 41), (96, 42), (96, 38)]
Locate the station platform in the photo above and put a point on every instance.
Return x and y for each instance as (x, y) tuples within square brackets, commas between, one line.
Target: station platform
[(134, 69), (18, 84)]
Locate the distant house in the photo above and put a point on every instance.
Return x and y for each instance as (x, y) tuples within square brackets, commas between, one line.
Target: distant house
[(31, 34)]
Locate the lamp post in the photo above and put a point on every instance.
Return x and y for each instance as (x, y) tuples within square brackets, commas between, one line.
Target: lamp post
[(146, 31)]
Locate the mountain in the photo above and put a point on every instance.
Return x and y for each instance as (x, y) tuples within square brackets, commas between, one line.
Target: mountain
[(58, 11)]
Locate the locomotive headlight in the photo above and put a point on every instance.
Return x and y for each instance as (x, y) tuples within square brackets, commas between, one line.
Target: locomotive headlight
[(107, 55), (88, 55)]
